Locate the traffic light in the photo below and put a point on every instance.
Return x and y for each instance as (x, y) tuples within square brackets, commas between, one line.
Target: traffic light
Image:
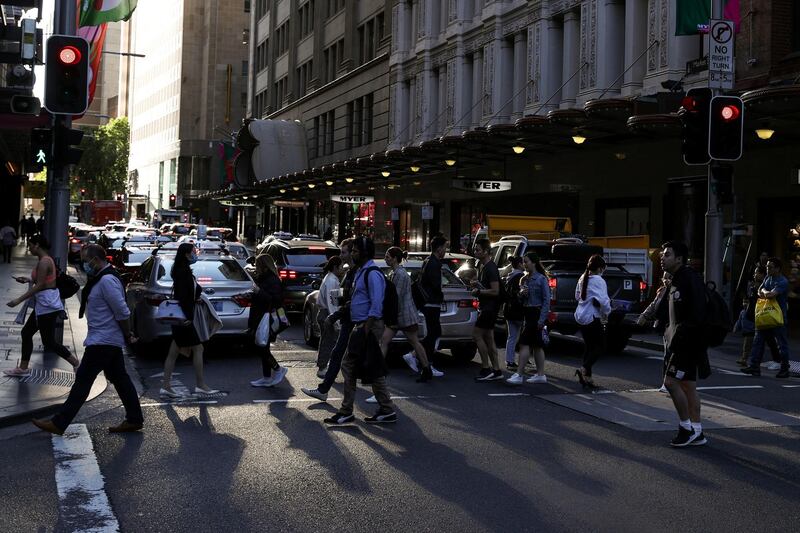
[(66, 140), (172, 200), (66, 75), (725, 128), (41, 149), (83, 193), (694, 114)]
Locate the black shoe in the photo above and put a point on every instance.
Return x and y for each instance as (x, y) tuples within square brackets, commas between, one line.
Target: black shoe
[(426, 375), (485, 373), (751, 371), (699, 441), (496, 376), (784, 373), (684, 437), (511, 367), (382, 418), (339, 419)]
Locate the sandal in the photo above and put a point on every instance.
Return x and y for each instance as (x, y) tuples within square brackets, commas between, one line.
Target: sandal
[(18, 372)]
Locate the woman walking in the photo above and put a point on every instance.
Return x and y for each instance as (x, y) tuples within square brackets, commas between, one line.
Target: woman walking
[(327, 304), (535, 296), (407, 314), (185, 339), (592, 313), (47, 308), (512, 312), (268, 296)]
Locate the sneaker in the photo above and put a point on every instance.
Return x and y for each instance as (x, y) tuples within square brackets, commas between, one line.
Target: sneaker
[(204, 392), (315, 393), (515, 379), (495, 376), (663, 389), (751, 371), (436, 373), (262, 382), (784, 373), (699, 441), (537, 379), (278, 375), (484, 373), (18, 372), (372, 399), (339, 419), (411, 361), (321, 372), (773, 365), (511, 366), (166, 393), (382, 418), (684, 437)]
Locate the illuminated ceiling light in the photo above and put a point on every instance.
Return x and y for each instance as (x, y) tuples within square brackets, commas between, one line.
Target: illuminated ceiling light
[(255, 196), (311, 185), (385, 173), (295, 188), (765, 133), (578, 139), (414, 168), (328, 183), (282, 191), (349, 180), (245, 197), (518, 148), (449, 162), (417, 183), (620, 155)]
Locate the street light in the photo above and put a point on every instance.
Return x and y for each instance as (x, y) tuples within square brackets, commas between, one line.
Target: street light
[(385, 173), (765, 133), (578, 138), (328, 183), (518, 148), (414, 168), (311, 185), (449, 162), (282, 191), (349, 180)]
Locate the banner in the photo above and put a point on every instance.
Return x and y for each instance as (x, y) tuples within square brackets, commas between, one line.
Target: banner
[(96, 35), (693, 16), (96, 12)]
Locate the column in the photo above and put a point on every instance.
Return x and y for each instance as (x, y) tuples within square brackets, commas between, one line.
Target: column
[(635, 44), (571, 61), (430, 87), (441, 103), (552, 58), (502, 81), (520, 79), (464, 99), (611, 28), (477, 87)]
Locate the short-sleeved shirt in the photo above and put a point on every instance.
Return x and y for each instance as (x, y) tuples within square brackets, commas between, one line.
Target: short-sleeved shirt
[(781, 284), (486, 275)]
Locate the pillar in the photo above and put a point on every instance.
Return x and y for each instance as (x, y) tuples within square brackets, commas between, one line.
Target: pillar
[(571, 61), (520, 79)]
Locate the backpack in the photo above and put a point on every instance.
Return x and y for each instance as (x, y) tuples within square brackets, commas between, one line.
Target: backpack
[(418, 294), (390, 301), (512, 306), (718, 316)]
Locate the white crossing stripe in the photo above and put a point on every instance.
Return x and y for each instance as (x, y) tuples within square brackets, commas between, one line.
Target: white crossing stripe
[(180, 403), (790, 386), (732, 387), (500, 395), (295, 400), (82, 500)]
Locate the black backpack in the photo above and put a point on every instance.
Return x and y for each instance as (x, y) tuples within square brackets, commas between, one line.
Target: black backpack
[(390, 302), (718, 316), (512, 306)]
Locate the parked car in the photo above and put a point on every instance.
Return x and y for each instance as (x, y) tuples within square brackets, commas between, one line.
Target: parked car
[(451, 260), (222, 279), (299, 263), (459, 313), (278, 235), (78, 238)]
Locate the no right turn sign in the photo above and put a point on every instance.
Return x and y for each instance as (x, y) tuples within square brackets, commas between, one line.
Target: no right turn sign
[(720, 54)]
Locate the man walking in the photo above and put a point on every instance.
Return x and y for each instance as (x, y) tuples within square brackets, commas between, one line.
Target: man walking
[(366, 313), (103, 299), (685, 354), (9, 238), (487, 290), (775, 286), (345, 326)]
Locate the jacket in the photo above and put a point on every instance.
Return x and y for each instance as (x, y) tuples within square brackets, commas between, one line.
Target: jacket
[(597, 303), (370, 363), (538, 294), (268, 298), (431, 280)]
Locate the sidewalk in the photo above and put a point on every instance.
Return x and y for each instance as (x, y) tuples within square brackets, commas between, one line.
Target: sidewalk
[(51, 377)]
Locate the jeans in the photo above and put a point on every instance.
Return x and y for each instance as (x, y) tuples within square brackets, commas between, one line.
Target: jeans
[(96, 359), (513, 336), (762, 337), (433, 327), (378, 384), (46, 326), (327, 338), (594, 341), (337, 353)]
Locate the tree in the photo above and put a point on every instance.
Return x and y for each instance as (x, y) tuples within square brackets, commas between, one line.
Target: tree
[(103, 170)]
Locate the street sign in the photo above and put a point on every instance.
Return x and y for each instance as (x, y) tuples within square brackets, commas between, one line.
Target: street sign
[(720, 54)]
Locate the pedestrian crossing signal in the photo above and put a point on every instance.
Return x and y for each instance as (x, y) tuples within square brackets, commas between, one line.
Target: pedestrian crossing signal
[(40, 150)]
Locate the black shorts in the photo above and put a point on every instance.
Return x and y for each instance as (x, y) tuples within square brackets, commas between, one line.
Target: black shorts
[(680, 366), (486, 319)]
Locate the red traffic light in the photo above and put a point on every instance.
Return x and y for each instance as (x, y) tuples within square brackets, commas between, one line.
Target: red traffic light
[(689, 103), (69, 55), (729, 113)]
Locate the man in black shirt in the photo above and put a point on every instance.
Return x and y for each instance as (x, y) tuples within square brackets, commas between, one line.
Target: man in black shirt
[(685, 357), (487, 290)]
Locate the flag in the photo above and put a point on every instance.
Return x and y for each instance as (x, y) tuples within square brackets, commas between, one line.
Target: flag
[(96, 35), (693, 15), (96, 12)]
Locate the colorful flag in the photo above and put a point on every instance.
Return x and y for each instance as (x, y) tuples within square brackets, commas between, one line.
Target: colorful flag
[(96, 35), (96, 12), (693, 15)]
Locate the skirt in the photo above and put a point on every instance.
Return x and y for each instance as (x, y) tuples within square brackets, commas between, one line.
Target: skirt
[(185, 336), (531, 334)]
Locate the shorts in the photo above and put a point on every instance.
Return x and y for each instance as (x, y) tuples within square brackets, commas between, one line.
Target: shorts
[(680, 367), (486, 319)]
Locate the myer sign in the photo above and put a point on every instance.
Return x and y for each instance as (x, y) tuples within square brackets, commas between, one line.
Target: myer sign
[(352, 199), (482, 185)]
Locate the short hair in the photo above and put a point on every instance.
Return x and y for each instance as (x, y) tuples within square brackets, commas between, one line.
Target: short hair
[(365, 245), (333, 262), (348, 243), (483, 243), (438, 242), (397, 253), (40, 241), (775, 261), (94, 251), (679, 249), (516, 261)]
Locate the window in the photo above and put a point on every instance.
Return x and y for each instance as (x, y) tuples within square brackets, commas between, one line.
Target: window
[(281, 87), (370, 35), (304, 75), (282, 39), (262, 7), (359, 121), (244, 69), (305, 18), (348, 138), (261, 55), (316, 142), (247, 6), (795, 27), (329, 130), (245, 36), (334, 6), (332, 57), (380, 25)]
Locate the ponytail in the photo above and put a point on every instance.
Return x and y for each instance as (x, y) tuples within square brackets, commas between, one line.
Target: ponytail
[(595, 262)]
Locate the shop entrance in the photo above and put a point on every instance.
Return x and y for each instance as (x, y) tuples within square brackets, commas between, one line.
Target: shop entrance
[(778, 232)]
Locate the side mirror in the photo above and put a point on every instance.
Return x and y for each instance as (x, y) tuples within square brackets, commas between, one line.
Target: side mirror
[(251, 260)]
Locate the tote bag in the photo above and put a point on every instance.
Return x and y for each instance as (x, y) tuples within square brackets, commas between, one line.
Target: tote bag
[(170, 312), (263, 331), (768, 313)]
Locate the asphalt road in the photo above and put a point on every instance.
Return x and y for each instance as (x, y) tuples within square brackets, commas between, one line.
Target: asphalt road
[(463, 456)]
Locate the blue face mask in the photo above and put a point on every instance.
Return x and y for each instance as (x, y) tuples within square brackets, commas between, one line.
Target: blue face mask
[(193, 259), (88, 268)]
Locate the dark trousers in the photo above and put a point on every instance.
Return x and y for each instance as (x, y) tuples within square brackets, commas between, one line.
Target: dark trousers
[(433, 329), (335, 363), (46, 326), (594, 341), (7, 252), (96, 359)]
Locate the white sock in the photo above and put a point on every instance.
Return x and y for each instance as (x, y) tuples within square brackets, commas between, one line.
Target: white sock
[(686, 424), (697, 427)]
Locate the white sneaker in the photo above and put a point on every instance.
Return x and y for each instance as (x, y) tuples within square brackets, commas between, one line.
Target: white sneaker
[(537, 379), (321, 372), (201, 392), (315, 393), (278, 375), (166, 393), (372, 399), (663, 389), (515, 379), (773, 365), (436, 373), (411, 361), (262, 382)]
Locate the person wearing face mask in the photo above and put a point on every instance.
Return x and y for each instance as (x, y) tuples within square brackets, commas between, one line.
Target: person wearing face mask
[(185, 339), (594, 306)]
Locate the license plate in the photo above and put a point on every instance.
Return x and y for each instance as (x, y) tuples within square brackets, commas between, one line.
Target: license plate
[(444, 307), (218, 306)]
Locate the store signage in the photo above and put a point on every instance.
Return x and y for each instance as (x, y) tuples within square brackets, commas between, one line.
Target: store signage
[(352, 199), (427, 212), (482, 185), (290, 203)]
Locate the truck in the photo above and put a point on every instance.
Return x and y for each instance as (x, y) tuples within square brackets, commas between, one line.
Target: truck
[(531, 227), (100, 212)]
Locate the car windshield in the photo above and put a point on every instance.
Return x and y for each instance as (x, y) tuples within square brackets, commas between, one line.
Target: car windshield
[(239, 252), (181, 230), (312, 256), (207, 270)]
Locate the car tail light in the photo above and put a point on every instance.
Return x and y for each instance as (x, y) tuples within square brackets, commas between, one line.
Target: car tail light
[(205, 278), (553, 284), (242, 300), (551, 318), (287, 274), (110, 258), (155, 300), (74, 241), (642, 290), (465, 304)]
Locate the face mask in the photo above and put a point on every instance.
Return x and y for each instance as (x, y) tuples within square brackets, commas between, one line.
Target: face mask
[(193, 259), (88, 268)]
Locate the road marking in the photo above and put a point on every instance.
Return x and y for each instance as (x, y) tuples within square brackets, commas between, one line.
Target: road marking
[(296, 400), (732, 387), (731, 372), (82, 500), (180, 403), (655, 358), (790, 386), (505, 394)]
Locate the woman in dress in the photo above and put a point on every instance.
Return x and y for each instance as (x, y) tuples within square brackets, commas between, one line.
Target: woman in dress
[(535, 296), (407, 313), (185, 339), (268, 296), (47, 308), (592, 312), (327, 304)]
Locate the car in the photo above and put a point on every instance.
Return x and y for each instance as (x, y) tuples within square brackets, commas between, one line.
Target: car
[(178, 229), (459, 313), (225, 234), (278, 235), (222, 279), (299, 263), (78, 237), (451, 260), (116, 242)]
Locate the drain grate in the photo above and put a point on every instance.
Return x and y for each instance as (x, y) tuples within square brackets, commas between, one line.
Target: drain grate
[(59, 378)]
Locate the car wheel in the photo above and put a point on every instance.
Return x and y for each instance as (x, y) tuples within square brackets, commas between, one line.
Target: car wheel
[(308, 328), (464, 352), (616, 342)]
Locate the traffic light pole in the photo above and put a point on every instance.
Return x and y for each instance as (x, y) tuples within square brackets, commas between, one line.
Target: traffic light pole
[(712, 260)]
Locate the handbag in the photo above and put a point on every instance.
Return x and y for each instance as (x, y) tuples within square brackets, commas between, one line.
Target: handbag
[(206, 319), (170, 312), (263, 330), (279, 320), (67, 285), (768, 313)]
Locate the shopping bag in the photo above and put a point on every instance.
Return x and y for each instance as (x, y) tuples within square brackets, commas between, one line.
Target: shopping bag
[(768, 313), (279, 320), (170, 312), (263, 331)]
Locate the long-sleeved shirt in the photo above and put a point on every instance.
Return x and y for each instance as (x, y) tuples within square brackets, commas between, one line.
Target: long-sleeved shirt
[(431, 281), (105, 307), (596, 291), (367, 305), (325, 298), (538, 294)]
